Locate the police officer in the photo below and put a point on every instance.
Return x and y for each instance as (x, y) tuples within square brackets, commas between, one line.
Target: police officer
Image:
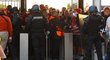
[(92, 26), (36, 26)]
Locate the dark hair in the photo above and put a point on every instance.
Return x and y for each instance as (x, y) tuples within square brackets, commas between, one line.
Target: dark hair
[(14, 9), (22, 10)]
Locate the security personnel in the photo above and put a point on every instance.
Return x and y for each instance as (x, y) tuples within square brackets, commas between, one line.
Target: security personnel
[(36, 27), (92, 26)]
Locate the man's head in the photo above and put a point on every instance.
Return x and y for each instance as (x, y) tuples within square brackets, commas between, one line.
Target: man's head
[(93, 9), (15, 10), (9, 7), (2, 11), (35, 8), (42, 7), (78, 10), (106, 11)]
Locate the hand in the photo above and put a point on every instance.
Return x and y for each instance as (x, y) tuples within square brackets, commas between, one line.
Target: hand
[(48, 32), (10, 39), (70, 26), (0, 39), (101, 34)]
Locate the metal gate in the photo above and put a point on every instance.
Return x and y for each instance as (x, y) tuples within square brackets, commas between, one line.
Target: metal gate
[(13, 3)]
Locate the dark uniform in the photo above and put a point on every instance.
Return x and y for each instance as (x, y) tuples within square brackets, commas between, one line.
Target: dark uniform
[(92, 28), (36, 26)]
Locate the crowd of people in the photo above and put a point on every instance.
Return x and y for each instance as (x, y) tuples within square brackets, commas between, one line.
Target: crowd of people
[(42, 21)]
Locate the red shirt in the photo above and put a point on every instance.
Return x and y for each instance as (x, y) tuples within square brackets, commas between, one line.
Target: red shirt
[(6, 25), (23, 18), (75, 28)]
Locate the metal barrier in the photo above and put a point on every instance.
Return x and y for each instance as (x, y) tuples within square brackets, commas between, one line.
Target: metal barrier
[(23, 46), (68, 46), (67, 53), (66, 50)]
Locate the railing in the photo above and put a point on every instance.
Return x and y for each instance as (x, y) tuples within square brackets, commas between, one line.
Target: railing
[(66, 52)]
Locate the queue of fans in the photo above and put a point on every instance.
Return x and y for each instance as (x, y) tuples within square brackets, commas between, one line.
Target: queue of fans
[(42, 21)]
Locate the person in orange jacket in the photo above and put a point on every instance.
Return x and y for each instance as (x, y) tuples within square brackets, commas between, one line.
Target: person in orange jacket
[(5, 29), (55, 35)]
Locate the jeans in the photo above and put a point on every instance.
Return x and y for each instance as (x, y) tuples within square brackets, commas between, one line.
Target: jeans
[(89, 47)]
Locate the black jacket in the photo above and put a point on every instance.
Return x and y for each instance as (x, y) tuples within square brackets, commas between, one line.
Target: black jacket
[(93, 24), (36, 23)]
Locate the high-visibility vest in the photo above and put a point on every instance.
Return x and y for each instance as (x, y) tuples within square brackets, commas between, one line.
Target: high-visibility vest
[(50, 18), (59, 31)]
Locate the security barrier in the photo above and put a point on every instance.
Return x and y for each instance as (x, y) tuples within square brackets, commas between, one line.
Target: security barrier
[(23, 46), (68, 46), (66, 50)]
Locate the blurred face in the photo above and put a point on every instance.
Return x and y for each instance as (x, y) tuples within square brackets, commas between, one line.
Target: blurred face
[(63, 9), (46, 7), (81, 11), (15, 11), (55, 13), (107, 12), (9, 7), (50, 10), (66, 13)]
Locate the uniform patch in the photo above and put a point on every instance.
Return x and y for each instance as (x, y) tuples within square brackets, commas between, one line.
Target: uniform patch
[(38, 17)]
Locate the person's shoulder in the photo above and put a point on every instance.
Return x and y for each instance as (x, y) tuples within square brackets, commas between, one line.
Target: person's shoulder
[(86, 19), (30, 15), (108, 18), (7, 17), (99, 16)]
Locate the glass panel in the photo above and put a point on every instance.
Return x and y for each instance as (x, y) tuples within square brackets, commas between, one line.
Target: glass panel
[(14, 3), (87, 4), (75, 4), (105, 2)]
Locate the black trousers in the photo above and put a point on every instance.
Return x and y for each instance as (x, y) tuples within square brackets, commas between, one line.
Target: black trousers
[(108, 51), (76, 44), (54, 46), (15, 46), (38, 45), (89, 47)]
